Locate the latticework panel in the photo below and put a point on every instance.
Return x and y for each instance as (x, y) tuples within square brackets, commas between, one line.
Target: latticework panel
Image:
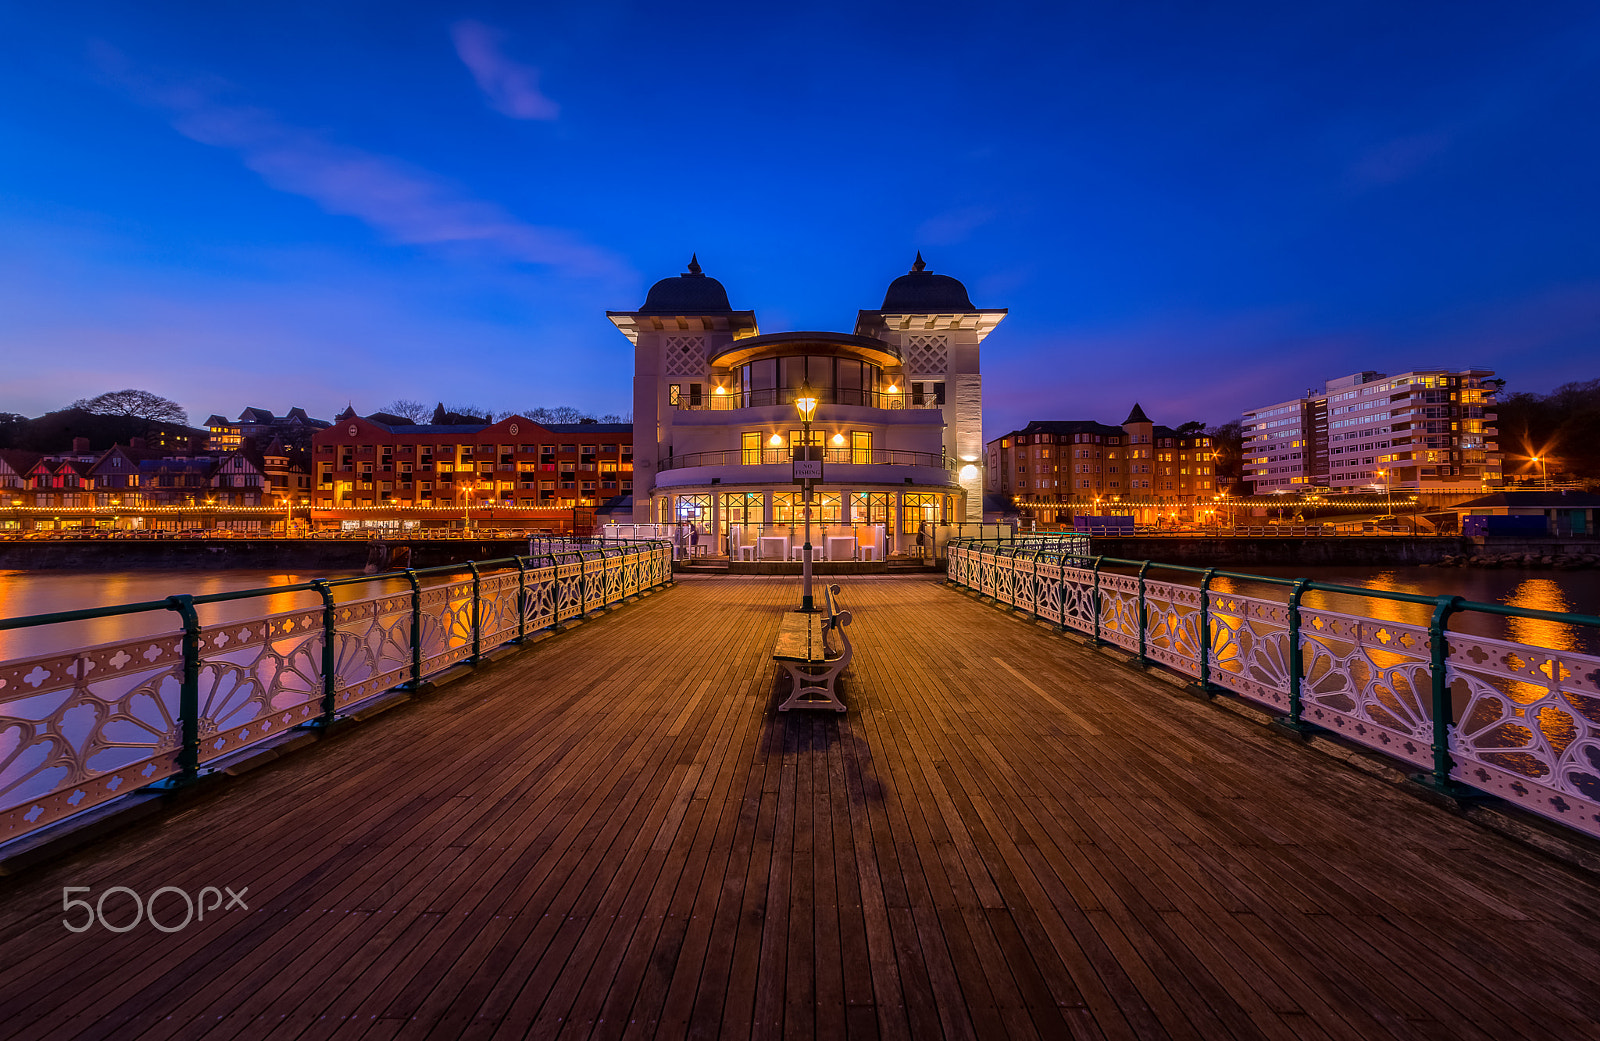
[(684, 357), (926, 355)]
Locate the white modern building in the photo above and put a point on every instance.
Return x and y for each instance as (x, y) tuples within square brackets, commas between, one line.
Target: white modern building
[(1427, 431), (899, 417)]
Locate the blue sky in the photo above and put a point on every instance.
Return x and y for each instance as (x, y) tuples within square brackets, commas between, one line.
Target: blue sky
[(1202, 207)]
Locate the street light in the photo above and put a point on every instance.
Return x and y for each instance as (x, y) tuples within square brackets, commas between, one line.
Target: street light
[(805, 403), (1544, 477)]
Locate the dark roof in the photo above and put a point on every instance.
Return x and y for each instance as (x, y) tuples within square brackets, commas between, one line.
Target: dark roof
[(20, 460), (1542, 500), (389, 419), (923, 292), (588, 428), (1067, 426), (256, 415), (692, 292), (216, 421), (1136, 416)]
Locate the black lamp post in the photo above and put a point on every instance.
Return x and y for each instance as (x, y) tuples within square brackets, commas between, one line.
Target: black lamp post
[(805, 402)]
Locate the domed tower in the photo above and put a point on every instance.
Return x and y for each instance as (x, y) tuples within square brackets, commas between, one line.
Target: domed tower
[(684, 321), (932, 322)]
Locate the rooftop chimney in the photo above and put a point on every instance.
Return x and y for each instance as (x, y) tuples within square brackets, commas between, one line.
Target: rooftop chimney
[(80, 445), (135, 442)]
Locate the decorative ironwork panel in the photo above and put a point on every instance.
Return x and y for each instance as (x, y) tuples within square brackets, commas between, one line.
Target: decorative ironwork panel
[(613, 579), (631, 564), (1077, 599), (1369, 680), (539, 608), (1048, 588), (262, 677), (1528, 726), (1119, 610), (1250, 647), (79, 729), (569, 588), (497, 611), (1172, 614), (1006, 572), (446, 635)]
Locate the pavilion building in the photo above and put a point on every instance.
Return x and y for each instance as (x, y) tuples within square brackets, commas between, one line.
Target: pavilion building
[(899, 418)]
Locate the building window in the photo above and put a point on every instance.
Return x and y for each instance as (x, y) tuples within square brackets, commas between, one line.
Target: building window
[(861, 446), (674, 394), (750, 448)]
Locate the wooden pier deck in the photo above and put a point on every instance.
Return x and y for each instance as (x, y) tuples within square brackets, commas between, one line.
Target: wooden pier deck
[(615, 835)]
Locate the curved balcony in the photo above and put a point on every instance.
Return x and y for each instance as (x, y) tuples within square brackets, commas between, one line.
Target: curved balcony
[(738, 399), (830, 457), (842, 466)]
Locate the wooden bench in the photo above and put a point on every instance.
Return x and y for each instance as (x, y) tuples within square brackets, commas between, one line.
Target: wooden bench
[(803, 648)]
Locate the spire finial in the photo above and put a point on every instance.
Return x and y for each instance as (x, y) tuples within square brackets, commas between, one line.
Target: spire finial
[(918, 265), (694, 263)]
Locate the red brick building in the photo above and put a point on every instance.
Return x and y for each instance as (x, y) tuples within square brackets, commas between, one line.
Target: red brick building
[(383, 472)]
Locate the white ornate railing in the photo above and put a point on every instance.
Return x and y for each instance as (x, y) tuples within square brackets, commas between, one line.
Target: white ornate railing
[(1515, 720), (80, 729)]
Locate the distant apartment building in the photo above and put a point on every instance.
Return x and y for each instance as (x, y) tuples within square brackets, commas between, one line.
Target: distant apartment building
[(1051, 469), (1428, 431)]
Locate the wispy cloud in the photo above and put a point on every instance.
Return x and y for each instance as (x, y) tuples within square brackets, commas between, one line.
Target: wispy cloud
[(953, 226), (1398, 159), (512, 88), (407, 204)]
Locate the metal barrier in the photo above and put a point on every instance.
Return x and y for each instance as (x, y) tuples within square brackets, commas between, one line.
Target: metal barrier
[(1472, 713), (80, 728)]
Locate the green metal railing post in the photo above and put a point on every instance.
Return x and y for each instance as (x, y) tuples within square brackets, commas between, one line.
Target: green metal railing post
[(188, 691), (1443, 704), (1205, 630), (1296, 656), (1096, 631), (1036, 555), (416, 628), (522, 599), (330, 680), (477, 613), (1143, 614)]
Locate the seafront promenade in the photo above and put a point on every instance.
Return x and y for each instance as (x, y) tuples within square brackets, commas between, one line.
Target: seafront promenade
[(614, 834)]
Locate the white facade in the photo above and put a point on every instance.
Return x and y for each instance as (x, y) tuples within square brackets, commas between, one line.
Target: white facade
[(899, 419), (1427, 430)]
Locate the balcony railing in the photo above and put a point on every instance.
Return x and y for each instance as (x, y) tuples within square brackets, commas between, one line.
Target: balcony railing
[(779, 456), (826, 396)]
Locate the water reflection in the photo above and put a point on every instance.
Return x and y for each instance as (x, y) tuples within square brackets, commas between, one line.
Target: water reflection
[(1542, 594)]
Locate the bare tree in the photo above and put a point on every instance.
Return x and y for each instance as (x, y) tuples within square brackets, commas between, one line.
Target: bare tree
[(415, 411), (137, 404)]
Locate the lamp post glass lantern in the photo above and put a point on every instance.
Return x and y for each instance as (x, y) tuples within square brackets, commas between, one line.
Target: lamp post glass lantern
[(805, 403)]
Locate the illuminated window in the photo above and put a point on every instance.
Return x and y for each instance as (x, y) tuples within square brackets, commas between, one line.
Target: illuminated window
[(861, 446), (674, 394)]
